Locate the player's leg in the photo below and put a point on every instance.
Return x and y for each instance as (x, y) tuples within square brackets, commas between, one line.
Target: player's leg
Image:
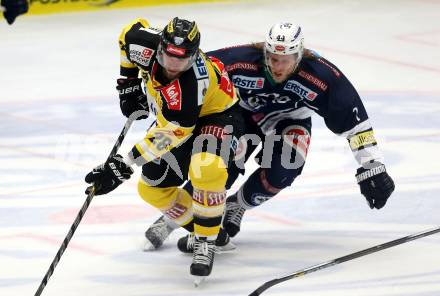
[(213, 150), (248, 142), (278, 169), (158, 187)]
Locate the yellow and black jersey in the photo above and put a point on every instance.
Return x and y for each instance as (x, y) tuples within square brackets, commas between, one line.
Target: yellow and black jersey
[(202, 90)]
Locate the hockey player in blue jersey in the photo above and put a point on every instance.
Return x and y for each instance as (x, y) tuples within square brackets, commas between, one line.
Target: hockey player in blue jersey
[(280, 85)]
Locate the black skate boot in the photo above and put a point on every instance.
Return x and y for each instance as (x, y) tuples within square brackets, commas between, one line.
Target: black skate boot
[(158, 232), (203, 259), (222, 244), (233, 215)]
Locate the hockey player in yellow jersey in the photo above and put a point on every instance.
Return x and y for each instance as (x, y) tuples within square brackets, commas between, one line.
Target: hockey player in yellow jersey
[(197, 123)]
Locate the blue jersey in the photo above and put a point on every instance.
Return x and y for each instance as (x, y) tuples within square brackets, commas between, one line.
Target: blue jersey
[(317, 86)]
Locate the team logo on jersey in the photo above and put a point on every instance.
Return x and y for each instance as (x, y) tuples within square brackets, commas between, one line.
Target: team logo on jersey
[(248, 82), (173, 95), (140, 54), (300, 90), (200, 68)]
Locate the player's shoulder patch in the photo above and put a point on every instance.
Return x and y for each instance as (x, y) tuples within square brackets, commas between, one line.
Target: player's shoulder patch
[(141, 44), (140, 54)]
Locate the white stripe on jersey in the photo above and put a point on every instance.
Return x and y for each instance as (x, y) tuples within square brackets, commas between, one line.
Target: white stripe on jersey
[(363, 126), (367, 154), (271, 119)]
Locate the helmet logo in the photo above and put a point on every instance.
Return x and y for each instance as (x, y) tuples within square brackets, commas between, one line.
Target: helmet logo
[(178, 40), (281, 38), (176, 50), (193, 33), (279, 48)]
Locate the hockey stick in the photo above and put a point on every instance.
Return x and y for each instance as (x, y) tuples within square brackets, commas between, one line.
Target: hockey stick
[(81, 213), (339, 260)]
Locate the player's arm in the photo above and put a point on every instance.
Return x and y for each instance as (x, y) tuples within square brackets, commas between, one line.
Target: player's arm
[(133, 101), (346, 116), (158, 141), (128, 35)]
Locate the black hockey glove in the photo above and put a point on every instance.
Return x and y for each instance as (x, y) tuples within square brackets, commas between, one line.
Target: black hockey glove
[(106, 177), (132, 98), (14, 8), (376, 185)]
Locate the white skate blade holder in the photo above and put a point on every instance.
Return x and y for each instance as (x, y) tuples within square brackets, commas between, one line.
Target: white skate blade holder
[(228, 248), (148, 246), (198, 280)]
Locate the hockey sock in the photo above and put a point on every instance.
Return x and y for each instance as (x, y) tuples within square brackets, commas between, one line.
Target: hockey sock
[(256, 190)]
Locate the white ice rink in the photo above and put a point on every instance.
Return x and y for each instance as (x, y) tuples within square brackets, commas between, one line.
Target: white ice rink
[(59, 117)]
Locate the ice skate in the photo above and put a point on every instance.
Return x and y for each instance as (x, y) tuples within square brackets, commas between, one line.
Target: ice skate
[(158, 232), (223, 243), (233, 215), (203, 259)]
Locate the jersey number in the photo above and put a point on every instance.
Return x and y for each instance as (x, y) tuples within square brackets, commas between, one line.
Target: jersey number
[(356, 111)]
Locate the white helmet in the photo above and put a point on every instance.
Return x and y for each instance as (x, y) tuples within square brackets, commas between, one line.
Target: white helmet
[(285, 39)]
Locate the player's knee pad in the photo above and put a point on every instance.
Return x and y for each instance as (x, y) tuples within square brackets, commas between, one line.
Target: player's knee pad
[(161, 198), (208, 171), (173, 202), (296, 141)]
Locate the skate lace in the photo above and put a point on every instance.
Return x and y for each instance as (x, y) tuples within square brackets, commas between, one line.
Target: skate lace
[(190, 241), (203, 252), (235, 213)]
